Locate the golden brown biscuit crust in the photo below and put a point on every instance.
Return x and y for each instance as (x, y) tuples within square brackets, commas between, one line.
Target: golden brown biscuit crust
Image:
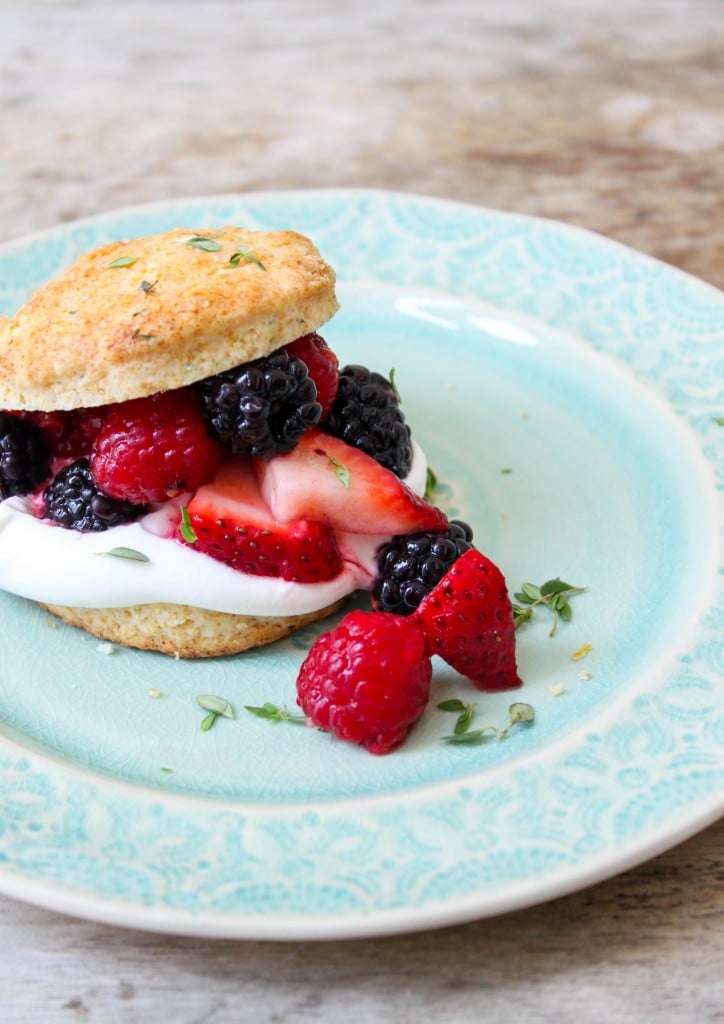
[(151, 314), (182, 631)]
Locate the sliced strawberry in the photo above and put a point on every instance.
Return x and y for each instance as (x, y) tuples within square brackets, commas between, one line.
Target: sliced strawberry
[(322, 365), (326, 479), (232, 524), (468, 620)]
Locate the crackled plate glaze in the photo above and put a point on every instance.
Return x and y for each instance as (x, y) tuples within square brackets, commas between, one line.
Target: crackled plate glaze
[(567, 392)]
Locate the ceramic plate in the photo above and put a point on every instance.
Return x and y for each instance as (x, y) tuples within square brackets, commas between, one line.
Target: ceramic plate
[(567, 393)]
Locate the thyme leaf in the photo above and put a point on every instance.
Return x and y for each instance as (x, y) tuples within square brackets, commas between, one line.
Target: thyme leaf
[(203, 243), (430, 484), (217, 705), (244, 255), (186, 529), (341, 471), (122, 261), (465, 713), (130, 553)]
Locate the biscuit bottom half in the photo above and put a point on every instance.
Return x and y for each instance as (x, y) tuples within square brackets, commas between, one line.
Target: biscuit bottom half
[(183, 631)]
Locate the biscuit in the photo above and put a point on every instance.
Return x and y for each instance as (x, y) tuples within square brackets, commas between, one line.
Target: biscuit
[(151, 314), (182, 631), (154, 314)]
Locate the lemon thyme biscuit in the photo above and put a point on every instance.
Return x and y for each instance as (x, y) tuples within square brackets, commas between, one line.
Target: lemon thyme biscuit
[(153, 314)]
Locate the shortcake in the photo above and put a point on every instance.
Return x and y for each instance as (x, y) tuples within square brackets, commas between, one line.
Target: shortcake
[(184, 466)]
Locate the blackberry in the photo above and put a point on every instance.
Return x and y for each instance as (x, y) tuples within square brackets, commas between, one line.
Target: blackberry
[(410, 565), (72, 500), (263, 407), (367, 414), (24, 456)]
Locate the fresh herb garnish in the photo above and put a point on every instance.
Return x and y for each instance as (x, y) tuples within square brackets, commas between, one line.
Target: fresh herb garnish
[(217, 707), (244, 255), (122, 261), (130, 553), (147, 286), (203, 243), (272, 713), (719, 420), (186, 529), (395, 391), (465, 713), (518, 712), (554, 594), (430, 484), (341, 471), (506, 470)]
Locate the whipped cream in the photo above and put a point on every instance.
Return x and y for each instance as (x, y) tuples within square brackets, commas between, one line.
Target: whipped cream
[(48, 563)]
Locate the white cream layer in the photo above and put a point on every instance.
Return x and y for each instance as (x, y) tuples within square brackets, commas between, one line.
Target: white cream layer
[(45, 562)]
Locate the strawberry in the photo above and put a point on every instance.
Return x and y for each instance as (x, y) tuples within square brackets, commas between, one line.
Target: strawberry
[(326, 479), (233, 525), (322, 366), (467, 619)]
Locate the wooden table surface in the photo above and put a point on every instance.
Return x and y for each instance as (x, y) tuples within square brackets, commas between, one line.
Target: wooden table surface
[(604, 113)]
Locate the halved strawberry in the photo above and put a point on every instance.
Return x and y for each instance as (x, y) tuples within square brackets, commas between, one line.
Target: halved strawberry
[(322, 365), (468, 620), (326, 479), (232, 524)]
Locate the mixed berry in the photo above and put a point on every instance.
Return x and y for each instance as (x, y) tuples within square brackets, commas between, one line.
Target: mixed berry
[(24, 456), (73, 500), (367, 414), (272, 464), (262, 408), (409, 566)]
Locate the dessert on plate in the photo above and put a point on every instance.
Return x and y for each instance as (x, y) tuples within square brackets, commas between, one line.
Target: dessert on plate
[(184, 467)]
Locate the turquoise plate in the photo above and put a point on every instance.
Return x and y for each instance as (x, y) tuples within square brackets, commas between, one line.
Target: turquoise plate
[(568, 394)]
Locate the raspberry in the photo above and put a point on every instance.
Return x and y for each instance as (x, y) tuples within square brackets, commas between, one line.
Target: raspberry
[(261, 408), (322, 366), (467, 619), (367, 681), (24, 456), (70, 433), (366, 413), (72, 500), (150, 449), (409, 566)]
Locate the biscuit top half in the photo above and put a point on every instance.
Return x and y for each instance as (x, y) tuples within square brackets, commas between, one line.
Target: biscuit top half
[(152, 314)]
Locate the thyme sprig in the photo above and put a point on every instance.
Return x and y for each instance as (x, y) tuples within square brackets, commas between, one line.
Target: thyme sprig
[(462, 733), (272, 713), (554, 594)]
